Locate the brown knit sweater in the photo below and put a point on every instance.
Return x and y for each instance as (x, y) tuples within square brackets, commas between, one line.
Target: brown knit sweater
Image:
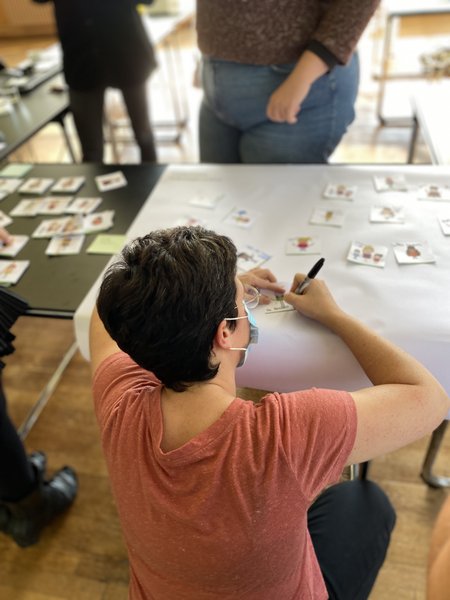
[(264, 32)]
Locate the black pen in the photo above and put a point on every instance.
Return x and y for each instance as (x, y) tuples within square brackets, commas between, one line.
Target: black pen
[(313, 272)]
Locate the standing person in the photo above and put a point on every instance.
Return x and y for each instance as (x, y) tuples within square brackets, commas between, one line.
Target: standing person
[(221, 500), (28, 500), (105, 45), (280, 77)]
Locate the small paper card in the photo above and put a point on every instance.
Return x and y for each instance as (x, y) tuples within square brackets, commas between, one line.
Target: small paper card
[(51, 227), (390, 183), (36, 185), (339, 191), (205, 200), (15, 170), (14, 246), (12, 270), (83, 206), (4, 219), (107, 244), (241, 217), (54, 205), (304, 244), (251, 258), (9, 185), (444, 221), (413, 253), (434, 192), (367, 254), (189, 221), (69, 185), (98, 221), (3, 195), (65, 244), (387, 214), (26, 208), (278, 305), (111, 181), (324, 216)]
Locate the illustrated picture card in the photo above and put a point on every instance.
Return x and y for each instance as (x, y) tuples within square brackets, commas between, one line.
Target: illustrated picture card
[(36, 185), (12, 270), (278, 305), (241, 217), (68, 185), (367, 254), (444, 221), (3, 195), (387, 214), (4, 219), (83, 206), (65, 244), (26, 208), (329, 217), (206, 200), (111, 181), (9, 185), (54, 205), (50, 227), (413, 253), (339, 191), (14, 246), (390, 183), (98, 221), (434, 192), (251, 258), (303, 244)]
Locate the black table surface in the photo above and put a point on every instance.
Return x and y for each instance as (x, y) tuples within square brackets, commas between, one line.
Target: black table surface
[(54, 286), (33, 112)]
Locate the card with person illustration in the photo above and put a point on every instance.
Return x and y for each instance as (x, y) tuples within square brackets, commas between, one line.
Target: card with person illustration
[(26, 208), (250, 258), (68, 185), (14, 246), (36, 185), (54, 205), (83, 206), (12, 270), (111, 181), (387, 214), (327, 216), (413, 253), (434, 192), (367, 254), (390, 183), (100, 221), (241, 217), (339, 191), (65, 244), (9, 185), (303, 244)]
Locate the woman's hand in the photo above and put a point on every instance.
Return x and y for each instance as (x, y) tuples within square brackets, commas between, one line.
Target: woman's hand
[(262, 279)]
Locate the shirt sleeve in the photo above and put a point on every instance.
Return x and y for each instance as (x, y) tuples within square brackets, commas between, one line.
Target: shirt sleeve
[(116, 377), (342, 26), (317, 430)]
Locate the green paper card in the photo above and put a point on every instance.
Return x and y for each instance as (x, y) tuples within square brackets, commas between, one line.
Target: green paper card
[(15, 170), (107, 244)]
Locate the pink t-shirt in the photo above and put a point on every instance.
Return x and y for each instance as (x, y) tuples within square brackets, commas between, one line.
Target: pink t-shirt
[(224, 515)]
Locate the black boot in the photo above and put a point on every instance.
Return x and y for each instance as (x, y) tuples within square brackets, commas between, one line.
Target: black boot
[(26, 518)]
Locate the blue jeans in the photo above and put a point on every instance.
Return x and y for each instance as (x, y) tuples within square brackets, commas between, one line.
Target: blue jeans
[(234, 127)]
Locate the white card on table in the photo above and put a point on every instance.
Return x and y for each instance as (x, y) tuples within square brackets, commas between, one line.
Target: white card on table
[(36, 185), (325, 216), (4, 219), (434, 192), (26, 208), (367, 254), (387, 214), (241, 217), (68, 185), (251, 258), (339, 191), (83, 206), (278, 305), (98, 221), (65, 244), (111, 181), (303, 244), (206, 200), (413, 253), (9, 184), (15, 245), (3, 195), (444, 221), (54, 205), (50, 227), (189, 221), (390, 183), (12, 270)]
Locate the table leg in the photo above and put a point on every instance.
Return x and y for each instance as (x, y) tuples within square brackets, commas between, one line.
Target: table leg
[(413, 142), (435, 481), (60, 119)]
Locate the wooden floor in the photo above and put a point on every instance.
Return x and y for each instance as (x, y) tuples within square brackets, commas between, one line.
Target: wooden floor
[(82, 556)]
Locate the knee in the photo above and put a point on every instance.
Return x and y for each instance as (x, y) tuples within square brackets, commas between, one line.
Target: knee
[(375, 502)]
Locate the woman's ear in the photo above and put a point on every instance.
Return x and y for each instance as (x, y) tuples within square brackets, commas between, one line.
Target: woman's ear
[(223, 335)]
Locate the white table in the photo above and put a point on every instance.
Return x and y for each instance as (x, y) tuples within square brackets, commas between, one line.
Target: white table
[(409, 304)]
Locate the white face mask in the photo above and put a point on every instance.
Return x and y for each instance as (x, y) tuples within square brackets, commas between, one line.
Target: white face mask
[(253, 338)]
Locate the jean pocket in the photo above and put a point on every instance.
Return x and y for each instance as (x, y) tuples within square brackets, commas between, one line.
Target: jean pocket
[(284, 69)]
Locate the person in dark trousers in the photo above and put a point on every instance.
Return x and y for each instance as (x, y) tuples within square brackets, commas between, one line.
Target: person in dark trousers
[(105, 45)]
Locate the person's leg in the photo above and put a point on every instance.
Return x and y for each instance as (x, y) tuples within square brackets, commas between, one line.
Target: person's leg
[(323, 119), (87, 110), (350, 526), (137, 103)]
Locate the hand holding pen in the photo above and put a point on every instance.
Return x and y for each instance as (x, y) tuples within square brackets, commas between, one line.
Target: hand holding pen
[(300, 289)]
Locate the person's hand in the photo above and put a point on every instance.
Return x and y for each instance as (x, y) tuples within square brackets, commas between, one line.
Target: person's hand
[(262, 279), (5, 237), (316, 302)]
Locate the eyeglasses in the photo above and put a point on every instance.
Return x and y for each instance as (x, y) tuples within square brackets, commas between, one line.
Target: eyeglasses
[(251, 296)]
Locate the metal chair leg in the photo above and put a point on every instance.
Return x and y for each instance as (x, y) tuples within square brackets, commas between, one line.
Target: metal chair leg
[(436, 481)]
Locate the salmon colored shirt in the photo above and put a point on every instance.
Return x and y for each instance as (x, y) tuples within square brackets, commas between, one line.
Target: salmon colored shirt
[(223, 516)]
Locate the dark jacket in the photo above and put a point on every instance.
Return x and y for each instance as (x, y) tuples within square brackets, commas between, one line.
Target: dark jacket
[(104, 43)]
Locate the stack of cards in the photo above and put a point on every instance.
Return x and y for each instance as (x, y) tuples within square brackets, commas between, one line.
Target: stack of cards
[(367, 254)]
